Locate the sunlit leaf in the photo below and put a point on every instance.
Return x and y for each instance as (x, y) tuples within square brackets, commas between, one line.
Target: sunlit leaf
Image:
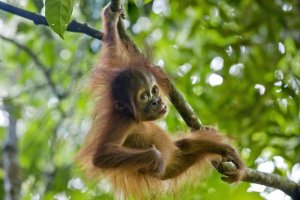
[(147, 1), (58, 14)]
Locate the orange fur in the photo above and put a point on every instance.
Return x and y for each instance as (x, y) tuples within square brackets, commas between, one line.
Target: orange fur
[(112, 132)]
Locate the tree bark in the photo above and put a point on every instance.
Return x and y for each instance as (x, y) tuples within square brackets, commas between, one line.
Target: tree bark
[(185, 110), (37, 19), (12, 181)]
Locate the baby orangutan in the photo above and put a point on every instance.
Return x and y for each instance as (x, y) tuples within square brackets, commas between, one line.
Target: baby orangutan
[(124, 144)]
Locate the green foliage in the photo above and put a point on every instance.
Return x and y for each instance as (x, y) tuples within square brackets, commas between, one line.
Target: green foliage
[(255, 47), (147, 1), (58, 14), (141, 2)]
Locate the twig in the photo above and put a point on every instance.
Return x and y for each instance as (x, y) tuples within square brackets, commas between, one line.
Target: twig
[(192, 120), (39, 64), (37, 19)]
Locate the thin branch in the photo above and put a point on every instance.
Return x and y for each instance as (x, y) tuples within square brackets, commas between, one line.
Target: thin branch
[(37, 19), (185, 110), (73, 26), (39, 64)]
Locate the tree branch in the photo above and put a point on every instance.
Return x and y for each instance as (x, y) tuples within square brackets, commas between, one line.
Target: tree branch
[(289, 187), (39, 64), (273, 180), (192, 120), (12, 180), (190, 117), (37, 19), (115, 5), (185, 110)]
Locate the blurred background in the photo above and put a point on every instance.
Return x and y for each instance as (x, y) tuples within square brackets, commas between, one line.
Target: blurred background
[(236, 62)]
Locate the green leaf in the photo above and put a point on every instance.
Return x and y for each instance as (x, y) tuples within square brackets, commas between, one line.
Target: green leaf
[(140, 3), (58, 14), (147, 1)]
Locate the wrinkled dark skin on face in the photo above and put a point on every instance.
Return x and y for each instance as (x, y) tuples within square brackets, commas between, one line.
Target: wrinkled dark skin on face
[(140, 88)]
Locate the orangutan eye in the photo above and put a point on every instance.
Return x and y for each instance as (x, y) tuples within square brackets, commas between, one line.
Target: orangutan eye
[(143, 97), (120, 106), (155, 91)]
